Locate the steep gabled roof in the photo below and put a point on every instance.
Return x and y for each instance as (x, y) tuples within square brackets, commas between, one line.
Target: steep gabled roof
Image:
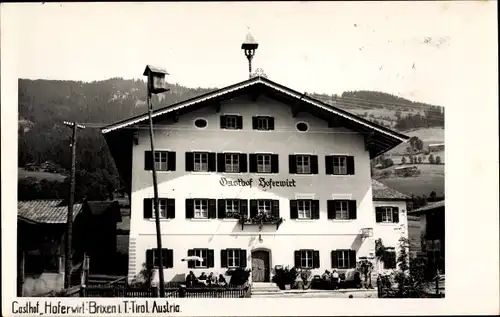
[(381, 192), (438, 205), (46, 211)]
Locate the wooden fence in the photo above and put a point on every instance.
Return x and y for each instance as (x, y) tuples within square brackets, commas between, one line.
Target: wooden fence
[(170, 292)]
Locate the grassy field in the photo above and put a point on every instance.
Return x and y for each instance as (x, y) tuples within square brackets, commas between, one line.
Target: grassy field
[(428, 135), (421, 185), (21, 173)]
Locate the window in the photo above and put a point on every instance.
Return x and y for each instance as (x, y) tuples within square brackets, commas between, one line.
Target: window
[(200, 162), (153, 258), (232, 163), (343, 259), (263, 163), (303, 164), (387, 214), (233, 258), (263, 123), (162, 205), (200, 123), (166, 207), (304, 209), (339, 165), (306, 258), (161, 160), (202, 253), (200, 208), (302, 127), (341, 210), (232, 206), (264, 206)]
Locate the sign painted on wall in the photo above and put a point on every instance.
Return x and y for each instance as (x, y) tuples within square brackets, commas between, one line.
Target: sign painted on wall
[(261, 182)]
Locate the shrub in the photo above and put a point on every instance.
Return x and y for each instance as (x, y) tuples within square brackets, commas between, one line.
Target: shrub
[(438, 160), (239, 276), (284, 277)]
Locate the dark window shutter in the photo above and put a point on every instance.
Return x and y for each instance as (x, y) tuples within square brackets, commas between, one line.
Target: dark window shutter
[(171, 161), (212, 208), (275, 164), (190, 263), (329, 165), (350, 165), (331, 209), (315, 209), (378, 214), (253, 163), (243, 163), (271, 123), (297, 259), (221, 209), (243, 258), (212, 167), (222, 122), (221, 162), (352, 209), (292, 164), (170, 208), (148, 208), (253, 208), (210, 258), (294, 213), (352, 259), (189, 208), (169, 262), (149, 258), (244, 207), (395, 214), (223, 258), (148, 160), (315, 259), (275, 207), (189, 161), (239, 122), (254, 123), (335, 262), (314, 164)]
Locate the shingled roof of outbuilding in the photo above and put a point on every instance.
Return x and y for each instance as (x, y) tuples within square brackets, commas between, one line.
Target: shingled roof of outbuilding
[(46, 211), (382, 192)]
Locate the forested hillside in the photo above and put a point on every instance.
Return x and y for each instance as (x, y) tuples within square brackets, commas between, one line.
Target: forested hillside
[(45, 104)]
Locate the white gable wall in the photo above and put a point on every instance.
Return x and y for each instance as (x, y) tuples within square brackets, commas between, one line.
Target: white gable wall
[(181, 234)]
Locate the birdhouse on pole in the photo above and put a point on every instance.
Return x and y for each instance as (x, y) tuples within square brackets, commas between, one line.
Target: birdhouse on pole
[(156, 79)]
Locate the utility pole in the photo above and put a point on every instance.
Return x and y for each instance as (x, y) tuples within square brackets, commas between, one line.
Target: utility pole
[(69, 232), (156, 84)]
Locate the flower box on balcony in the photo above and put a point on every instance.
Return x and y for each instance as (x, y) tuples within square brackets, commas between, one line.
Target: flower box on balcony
[(261, 219)]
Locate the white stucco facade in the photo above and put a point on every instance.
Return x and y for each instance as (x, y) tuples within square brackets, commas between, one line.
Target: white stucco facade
[(323, 234)]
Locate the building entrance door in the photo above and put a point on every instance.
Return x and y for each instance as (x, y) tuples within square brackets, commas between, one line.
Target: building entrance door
[(260, 266)]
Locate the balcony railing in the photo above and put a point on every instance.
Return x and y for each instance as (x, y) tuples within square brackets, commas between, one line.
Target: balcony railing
[(261, 219)]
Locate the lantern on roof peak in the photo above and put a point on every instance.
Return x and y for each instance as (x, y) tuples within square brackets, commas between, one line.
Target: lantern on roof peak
[(249, 46)]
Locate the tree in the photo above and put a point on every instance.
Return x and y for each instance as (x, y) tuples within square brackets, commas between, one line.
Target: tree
[(419, 160), (403, 160), (419, 144), (431, 159), (387, 163), (438, 159), (432, 196)]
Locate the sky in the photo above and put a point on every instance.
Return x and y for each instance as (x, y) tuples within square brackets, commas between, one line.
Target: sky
[(407, 49)]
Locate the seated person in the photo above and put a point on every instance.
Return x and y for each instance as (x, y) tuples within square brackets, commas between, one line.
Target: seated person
[(299, 282), (211, 279), (202, 277), (191, 279), (326, 275), (222, 280)]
